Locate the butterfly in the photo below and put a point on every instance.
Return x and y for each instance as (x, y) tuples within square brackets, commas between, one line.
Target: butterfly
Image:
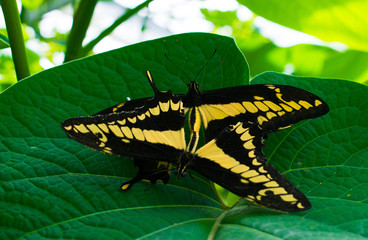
[(152, 130), (272, 107)]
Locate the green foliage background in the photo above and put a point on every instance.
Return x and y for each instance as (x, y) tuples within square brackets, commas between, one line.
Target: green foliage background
[(331, 21), (52, 187)]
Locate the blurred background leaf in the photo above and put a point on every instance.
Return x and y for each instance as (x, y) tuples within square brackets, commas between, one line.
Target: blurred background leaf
[(332, 21), (337, 50), (300, 59), (4, 42)]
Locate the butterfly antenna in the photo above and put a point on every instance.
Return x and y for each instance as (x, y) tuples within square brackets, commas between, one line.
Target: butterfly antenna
[(176, 65), (150, 79), (185, 74), (200, 70)]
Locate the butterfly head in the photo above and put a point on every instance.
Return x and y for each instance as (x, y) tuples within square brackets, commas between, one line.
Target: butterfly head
[(193, 88), (192, 97)]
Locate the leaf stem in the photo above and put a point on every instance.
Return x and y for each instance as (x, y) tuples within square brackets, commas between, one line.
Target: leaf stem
[(82, 19), (129, 13), (14, 29), (216, 225)]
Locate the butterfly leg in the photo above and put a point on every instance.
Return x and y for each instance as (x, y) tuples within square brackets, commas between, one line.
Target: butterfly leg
[(149, 170)]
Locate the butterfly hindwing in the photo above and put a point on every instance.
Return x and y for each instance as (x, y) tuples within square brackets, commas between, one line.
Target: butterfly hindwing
[(235, 161), (272, 107)]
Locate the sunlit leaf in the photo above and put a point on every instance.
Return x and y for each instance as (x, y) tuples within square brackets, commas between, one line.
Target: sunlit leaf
[(7, 72), (301, 59), (4, 42), (338, 20), (32, 4), (348, 65)]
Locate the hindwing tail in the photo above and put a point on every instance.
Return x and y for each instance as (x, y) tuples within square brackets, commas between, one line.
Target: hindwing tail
[(235, 161)]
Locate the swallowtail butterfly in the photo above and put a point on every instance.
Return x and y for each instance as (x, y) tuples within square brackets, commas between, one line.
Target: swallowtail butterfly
[(236, 121)]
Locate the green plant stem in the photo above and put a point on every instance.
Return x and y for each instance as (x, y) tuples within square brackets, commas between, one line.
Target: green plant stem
[(82, 19), (14, 29), (129, 13), (216, 225)]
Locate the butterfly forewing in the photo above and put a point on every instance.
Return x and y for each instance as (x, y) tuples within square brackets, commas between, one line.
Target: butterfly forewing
[(273, 107), (155, 130), (235, 161), (149, 169)]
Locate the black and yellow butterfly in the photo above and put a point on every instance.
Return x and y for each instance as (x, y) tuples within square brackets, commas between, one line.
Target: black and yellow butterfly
[(153, 130), (272, 107), (233, 159)]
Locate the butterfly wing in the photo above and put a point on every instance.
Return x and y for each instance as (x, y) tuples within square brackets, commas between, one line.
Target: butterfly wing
[(270, 106), (154, 131), (148, 169), (234, 160)]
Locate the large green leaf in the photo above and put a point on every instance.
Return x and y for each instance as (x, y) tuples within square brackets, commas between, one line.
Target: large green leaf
[(53, 187), (339, 20)]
